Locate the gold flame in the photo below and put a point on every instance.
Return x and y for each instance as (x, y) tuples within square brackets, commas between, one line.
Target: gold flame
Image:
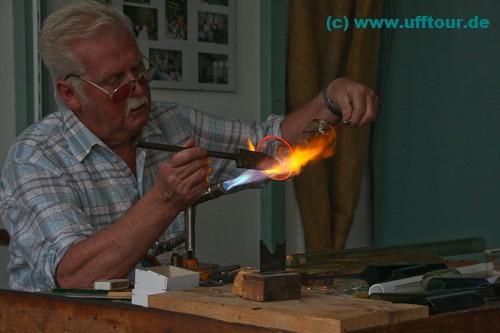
[(292, 160), (250, 145), (303, 153)]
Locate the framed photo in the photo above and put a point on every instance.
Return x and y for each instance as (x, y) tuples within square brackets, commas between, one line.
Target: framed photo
[(193, 42)]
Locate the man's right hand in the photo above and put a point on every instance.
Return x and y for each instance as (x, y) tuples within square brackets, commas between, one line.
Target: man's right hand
[(183, 177)]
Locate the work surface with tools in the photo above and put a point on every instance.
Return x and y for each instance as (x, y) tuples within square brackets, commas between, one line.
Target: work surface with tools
[(35, 312), (312, 312), (323, 306), (326, 303)]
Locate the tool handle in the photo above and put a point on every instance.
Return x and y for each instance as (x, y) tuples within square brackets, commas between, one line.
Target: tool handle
[(175, 149), (455, 283), (454, 302)]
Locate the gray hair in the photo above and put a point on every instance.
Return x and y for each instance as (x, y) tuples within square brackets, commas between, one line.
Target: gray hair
[(82, 19)]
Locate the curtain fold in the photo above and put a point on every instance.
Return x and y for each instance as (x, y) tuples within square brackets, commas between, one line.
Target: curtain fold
[(328, 191)]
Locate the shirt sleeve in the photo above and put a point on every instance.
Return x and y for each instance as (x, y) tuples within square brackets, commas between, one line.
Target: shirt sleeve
[(40, 211)]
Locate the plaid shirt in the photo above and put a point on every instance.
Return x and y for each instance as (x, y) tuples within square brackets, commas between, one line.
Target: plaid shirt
[(61, 183)]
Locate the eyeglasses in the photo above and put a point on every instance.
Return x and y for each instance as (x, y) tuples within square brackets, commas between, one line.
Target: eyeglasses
[(125, 90)]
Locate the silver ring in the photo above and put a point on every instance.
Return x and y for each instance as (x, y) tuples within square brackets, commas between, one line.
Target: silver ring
[(346, 122)]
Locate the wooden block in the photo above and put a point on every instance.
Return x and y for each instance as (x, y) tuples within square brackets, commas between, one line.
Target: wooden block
[(238, 280), (271, 287)]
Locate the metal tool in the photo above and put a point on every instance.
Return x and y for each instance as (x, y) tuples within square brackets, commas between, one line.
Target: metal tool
[(246, 159), (189, 215), (372, 273), (161, 246), (271, 263), (416, 284), (212, 192), (492, 290), (224, 274), (455, 283), (273, 282), (436, 249)]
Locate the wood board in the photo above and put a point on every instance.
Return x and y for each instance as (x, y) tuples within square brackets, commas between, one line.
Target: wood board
[(313, 312), (48, 313)]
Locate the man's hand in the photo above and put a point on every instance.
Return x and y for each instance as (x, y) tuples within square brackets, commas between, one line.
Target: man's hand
[(184, 176), (358, 103)]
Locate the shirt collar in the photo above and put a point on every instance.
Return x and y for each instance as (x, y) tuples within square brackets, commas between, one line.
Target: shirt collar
[(80, 139)]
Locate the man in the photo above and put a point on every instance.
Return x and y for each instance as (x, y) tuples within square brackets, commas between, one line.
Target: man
[(82, 203)]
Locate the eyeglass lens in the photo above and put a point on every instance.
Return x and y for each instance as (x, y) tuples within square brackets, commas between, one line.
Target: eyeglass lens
[(123, 92)]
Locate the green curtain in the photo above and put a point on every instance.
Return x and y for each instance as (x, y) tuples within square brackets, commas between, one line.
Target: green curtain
[(328, 191)]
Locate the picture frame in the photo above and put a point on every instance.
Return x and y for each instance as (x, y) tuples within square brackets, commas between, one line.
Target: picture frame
[(193, 42)]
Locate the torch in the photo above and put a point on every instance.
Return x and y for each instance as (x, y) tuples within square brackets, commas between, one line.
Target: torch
[(212, 192)]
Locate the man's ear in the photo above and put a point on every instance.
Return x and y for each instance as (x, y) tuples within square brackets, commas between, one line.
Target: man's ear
[(68, 95)]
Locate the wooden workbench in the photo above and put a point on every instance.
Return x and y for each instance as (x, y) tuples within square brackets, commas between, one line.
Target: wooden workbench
[(313, 312), (32, 312), (478, 320)]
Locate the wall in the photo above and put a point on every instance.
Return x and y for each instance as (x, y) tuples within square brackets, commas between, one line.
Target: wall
[(436, 150), (7, 120), (7, 115)]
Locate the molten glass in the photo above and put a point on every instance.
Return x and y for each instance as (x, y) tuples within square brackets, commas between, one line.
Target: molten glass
[(281, 150), (318, 143)]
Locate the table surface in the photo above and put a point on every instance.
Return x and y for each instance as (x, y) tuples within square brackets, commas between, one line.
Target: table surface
[(34, 312), (312, 312)]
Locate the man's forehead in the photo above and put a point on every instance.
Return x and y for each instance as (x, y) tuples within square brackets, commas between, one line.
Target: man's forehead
[(107, 53)]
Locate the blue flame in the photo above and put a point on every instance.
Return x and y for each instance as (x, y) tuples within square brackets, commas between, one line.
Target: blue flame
[(247, 177)]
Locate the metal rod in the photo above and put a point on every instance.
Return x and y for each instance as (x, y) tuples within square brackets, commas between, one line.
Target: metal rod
[(437, 249), (212, 192), (175, 149), (189, 215)]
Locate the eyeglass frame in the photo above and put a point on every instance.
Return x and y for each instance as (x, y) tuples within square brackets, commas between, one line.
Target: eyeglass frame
[(138, 78)]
